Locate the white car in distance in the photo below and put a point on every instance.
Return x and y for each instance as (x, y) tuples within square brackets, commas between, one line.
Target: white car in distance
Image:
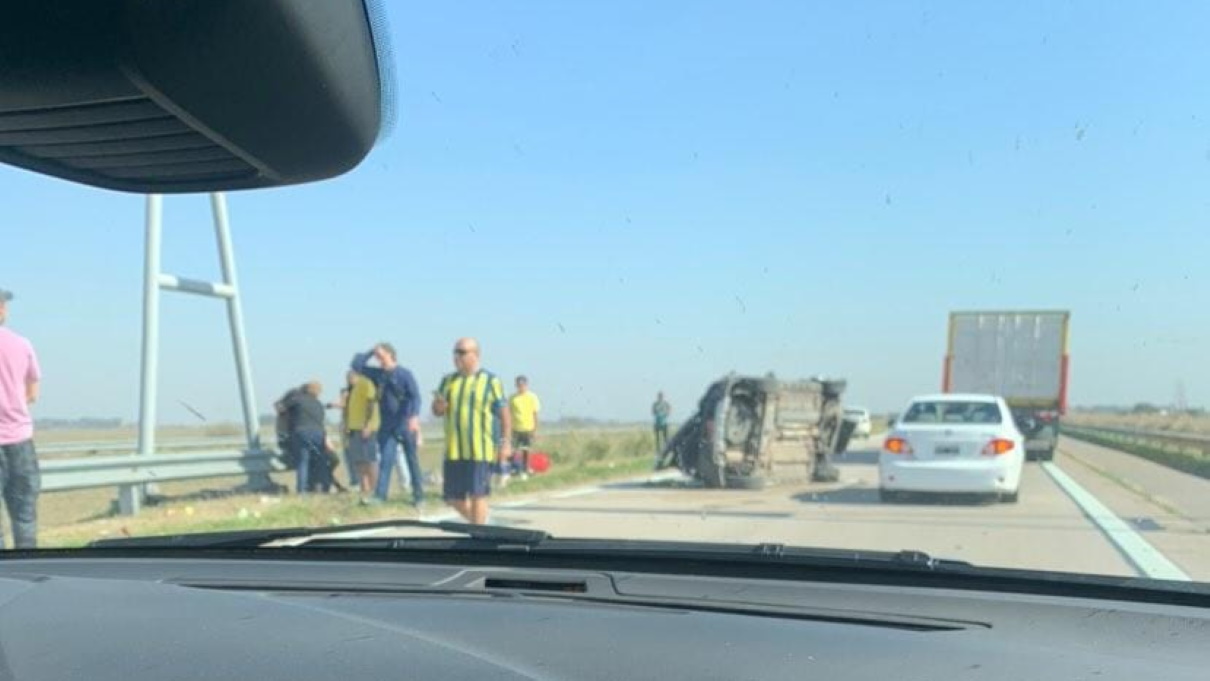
[(860, 416), (956, 444)]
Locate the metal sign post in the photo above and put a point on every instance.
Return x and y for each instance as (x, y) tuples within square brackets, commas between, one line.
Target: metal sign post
[(130, 497), (235, 321)]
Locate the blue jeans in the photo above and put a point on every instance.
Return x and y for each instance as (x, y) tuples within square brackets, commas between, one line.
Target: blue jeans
[(350, 467), (388, 449), (308, 451), (21, 481), (522, 442), (661, 437)]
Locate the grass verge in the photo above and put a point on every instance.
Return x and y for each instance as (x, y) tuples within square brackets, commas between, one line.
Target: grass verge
[(579, 459)]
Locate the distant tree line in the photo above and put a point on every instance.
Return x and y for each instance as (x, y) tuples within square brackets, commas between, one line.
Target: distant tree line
[(1141, 408), (78, 424)]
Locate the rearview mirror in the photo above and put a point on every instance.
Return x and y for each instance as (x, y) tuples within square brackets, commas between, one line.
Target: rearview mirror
[(162, 96)]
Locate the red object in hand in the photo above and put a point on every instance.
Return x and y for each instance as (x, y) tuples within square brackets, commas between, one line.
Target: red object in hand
[(539, 462)]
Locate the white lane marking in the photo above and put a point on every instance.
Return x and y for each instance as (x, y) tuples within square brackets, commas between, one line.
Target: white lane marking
[(1143, 555), (577, 492), (662, 476), (590, 489)]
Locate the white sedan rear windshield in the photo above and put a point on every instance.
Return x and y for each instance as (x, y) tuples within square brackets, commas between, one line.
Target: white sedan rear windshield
[(953, 412)]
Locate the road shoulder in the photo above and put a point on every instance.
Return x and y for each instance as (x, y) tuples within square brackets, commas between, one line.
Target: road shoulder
[(1162, 505)]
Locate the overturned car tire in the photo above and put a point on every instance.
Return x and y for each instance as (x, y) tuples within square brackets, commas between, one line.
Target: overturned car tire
[(825, 473), (711, 474)]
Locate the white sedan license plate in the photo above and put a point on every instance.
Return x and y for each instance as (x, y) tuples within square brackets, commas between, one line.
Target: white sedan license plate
[(946, 450)]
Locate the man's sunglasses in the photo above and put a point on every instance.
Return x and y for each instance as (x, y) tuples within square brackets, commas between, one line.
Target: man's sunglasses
[(462, 351)]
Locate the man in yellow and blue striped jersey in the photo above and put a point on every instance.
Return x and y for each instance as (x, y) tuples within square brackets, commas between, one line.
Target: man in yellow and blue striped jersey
[(478, 431)]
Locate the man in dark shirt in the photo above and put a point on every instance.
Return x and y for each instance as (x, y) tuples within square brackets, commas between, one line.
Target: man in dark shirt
[(660, 412), (285, 426), (305, 414), (399, 408)]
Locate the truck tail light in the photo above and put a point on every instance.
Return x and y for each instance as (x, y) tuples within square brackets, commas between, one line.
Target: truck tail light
[(897, 445), (998, 446)]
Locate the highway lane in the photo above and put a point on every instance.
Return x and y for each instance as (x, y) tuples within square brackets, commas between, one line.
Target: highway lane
[(1170, 509), (1045, 530)]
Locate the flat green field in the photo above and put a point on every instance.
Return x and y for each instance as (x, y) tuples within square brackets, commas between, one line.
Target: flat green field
[(1176, 422)]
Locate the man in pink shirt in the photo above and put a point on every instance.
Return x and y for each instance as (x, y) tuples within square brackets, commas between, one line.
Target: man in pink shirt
[(20, 480)]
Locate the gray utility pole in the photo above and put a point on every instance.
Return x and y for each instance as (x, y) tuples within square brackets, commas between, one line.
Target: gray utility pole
[(130, 497)]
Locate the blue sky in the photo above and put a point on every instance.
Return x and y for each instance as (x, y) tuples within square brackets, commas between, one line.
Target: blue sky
[(622, 197)]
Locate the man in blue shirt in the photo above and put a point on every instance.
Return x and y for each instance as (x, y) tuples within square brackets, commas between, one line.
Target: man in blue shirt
[(399, 408)]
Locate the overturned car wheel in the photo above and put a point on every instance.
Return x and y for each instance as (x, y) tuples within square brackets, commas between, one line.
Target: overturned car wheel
[(825, 472), (711, 474)]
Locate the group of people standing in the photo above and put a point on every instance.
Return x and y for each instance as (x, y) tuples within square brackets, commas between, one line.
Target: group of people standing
[(380, 416)]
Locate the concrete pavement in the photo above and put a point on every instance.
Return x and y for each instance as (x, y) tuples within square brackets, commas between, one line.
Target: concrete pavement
[(1168, 508), (1046, 530)]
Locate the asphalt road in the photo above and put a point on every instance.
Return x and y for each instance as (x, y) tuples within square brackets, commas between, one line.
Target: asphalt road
[(1047, 529)]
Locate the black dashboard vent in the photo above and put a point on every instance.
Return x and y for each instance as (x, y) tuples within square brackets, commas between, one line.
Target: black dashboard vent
[(576, 587), (122, 140)]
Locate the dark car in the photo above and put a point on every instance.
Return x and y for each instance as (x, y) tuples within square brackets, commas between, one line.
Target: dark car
[(749, 431)]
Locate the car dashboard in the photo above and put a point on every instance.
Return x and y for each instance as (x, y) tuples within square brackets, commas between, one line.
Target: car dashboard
[(156, 618)]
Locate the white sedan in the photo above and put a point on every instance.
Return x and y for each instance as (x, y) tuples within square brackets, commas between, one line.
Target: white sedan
[(860, 417), (953, 444)]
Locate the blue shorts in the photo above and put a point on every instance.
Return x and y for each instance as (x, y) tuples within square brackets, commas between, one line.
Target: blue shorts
[(467, 479), (362, 449)]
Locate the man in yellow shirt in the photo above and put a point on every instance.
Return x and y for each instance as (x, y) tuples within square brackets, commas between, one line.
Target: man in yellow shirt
[(524, 406), (361, 423)]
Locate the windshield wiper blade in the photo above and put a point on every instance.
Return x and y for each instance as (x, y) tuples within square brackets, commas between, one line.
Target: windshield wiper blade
[(300, 536), (755, 554), (492, 537), (667, 550)]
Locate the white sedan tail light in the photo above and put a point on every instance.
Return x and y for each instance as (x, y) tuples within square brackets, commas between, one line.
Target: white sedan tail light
[(998, 446)]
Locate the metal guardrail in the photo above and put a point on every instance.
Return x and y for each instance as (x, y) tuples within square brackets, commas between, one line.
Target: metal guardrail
[(110, 447), (1194, 441), (210, 460), (112, 471), (213, 458)]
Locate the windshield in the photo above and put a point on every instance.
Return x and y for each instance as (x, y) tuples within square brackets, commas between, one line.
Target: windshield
[(952, 412), (620, 270)]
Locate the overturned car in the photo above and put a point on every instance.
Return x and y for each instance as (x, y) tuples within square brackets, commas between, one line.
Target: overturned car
[(749, 431)]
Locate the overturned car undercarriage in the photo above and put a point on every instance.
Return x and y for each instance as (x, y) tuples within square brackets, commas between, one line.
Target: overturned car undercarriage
[(751, 431)]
